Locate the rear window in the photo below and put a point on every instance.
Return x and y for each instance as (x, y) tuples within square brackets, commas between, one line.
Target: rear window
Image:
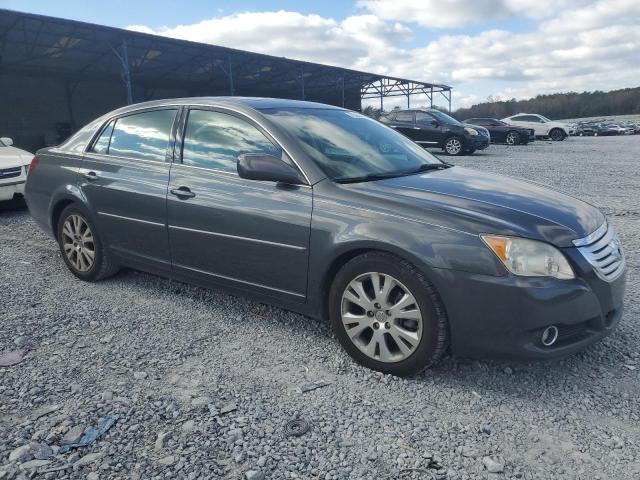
[(404, 117), (142, 136)]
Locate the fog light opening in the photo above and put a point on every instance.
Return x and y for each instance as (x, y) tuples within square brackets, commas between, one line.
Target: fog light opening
[(549, 336)]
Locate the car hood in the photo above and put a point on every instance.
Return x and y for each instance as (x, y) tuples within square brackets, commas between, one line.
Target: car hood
[(479, 202), (12, 157)]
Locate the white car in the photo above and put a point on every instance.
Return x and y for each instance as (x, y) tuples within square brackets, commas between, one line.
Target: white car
[(542, 126), (14, 164)]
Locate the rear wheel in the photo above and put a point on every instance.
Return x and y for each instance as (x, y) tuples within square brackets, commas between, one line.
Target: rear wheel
[(557, 135), (387, 315), (81, 247), (453, 146), (512, 138)]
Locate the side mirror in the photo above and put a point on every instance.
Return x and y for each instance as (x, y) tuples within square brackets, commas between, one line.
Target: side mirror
[(258, 166), (6, 141)]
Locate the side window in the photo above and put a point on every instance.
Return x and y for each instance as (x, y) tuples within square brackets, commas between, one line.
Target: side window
[(405, 117), (520, 118), (531, 118), (423, 118), (216, 140), (142, 135), (102, 144)]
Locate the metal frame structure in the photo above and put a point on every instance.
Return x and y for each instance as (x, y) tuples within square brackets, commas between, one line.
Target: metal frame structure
[(41, 46)]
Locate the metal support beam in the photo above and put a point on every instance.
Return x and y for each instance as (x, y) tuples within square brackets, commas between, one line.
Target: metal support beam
[(431, 97), (302, 96), (125, 71), (232, 90)]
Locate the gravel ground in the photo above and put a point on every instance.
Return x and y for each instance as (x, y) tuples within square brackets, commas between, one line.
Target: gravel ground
[(203, 383)]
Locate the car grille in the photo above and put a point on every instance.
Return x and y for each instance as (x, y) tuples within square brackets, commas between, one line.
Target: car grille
[(603, 251), (10, 172)]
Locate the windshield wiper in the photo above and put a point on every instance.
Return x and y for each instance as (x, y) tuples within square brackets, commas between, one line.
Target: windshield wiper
[(369, 178), (380, 176)]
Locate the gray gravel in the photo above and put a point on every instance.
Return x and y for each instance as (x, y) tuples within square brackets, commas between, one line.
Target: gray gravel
[(204, 382)]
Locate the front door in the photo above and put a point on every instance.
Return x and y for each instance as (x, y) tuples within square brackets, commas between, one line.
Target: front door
[(124, 178), (405, 124), (429, 132), (227, 230)]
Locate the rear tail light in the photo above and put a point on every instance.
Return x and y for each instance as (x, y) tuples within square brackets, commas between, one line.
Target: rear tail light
[(33, 164)]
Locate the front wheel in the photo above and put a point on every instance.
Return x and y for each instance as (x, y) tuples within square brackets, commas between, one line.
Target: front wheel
[(81, 247), (453, 146), (387, 315), (557, 135)]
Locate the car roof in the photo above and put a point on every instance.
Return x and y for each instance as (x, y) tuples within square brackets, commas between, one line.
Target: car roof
[(256, 103)]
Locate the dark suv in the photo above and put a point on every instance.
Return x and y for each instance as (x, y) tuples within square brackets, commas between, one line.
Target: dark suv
[(433, 128)]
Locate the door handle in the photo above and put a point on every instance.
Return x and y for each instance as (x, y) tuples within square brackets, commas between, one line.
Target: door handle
[(416, 128), (91, 176), (182, 192)]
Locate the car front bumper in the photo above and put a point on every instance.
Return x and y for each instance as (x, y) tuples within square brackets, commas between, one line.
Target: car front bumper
[(9, 189), (504, 317)]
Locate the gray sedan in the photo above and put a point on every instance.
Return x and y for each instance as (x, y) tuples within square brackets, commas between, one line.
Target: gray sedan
[(326, 212)]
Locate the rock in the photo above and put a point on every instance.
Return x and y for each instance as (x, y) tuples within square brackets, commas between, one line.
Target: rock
[(107, 396), (87, 460), (33, 464), (492, 465), (200, 402), (239, 457), (73, 435), (188, 427), (168, 461), (228, 408), (140, 375), (254, 475), (75, 388), (20, 454), (93, 476), (233, 436), (42, 452), (161, 440), (469, 452), (20, 341), (508, 370), (262, 461)]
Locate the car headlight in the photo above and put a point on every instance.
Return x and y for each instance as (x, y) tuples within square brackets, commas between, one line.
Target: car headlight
[(470, 131), (529, 258)]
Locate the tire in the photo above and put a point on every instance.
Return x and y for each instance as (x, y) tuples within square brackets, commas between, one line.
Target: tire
[(595, 134), (78, 248), (557, 135), (512, 138), (453, 146), (426, 337)]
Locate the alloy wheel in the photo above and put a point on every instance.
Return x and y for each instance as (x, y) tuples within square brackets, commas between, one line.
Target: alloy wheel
[(453, 146), (78, 243), (512, 138), (556, 135), (381, 317)]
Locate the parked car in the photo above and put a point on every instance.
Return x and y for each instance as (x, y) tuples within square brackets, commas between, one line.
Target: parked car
[(542, 126), (329, 213), (607, 130), (14, 164), (433, 128), (502, 132)]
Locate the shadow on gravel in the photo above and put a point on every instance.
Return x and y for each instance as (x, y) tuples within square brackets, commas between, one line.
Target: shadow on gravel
[(13, 205)]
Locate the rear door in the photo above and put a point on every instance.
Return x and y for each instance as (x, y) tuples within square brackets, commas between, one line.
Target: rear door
[(428, 132), (124, 178), (227, 230)]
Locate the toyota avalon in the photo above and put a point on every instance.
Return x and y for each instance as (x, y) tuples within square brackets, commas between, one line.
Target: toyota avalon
[(329, 213)]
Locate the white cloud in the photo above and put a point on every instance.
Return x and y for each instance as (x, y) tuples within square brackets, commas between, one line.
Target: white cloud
[(457, 13), (594, 46)]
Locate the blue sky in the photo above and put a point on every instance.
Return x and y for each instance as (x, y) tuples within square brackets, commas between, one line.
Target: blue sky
[(502, 48)]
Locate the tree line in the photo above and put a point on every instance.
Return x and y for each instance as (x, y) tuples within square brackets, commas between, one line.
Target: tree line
[(560, 105)]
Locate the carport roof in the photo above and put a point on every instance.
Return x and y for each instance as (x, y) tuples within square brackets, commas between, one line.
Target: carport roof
[(35, 44)]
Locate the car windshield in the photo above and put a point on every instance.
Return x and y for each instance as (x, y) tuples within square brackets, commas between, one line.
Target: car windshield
[(444, 118), (2, 143), (351, 147), (544, 118)]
